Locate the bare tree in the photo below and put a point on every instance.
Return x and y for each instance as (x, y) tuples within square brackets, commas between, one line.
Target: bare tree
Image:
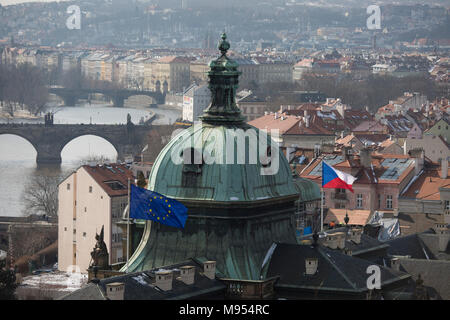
[(41, 196)]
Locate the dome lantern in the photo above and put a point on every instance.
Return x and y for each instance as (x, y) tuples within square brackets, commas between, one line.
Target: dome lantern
[(223, 83)]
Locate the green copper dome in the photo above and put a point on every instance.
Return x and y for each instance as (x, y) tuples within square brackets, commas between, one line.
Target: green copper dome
[(233, 179), (222, 137), (219, 181)]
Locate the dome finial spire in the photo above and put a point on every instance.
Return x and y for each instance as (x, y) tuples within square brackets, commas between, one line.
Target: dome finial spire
[(223, 83), (224, 45)]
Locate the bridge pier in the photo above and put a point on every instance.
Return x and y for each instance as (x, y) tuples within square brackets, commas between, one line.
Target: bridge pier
[(48, 159), (118, 101), (70, 100)]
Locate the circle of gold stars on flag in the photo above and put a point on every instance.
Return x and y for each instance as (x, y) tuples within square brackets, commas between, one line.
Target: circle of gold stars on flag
[(164, 204)]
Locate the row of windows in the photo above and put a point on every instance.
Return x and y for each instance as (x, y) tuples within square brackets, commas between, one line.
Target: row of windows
[(360, 202), (90, 188)]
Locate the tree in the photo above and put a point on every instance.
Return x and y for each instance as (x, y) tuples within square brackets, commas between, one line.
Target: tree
[(41, 196), (7, 284)]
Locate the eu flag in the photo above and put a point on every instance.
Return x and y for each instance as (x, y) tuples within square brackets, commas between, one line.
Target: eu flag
[(149, 205)]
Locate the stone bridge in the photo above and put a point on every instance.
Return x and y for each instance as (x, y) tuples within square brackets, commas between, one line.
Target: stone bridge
[(49, 141), (71, 96)]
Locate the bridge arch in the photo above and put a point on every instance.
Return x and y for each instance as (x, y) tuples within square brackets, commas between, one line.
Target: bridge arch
[(21, 137), (99, 138)]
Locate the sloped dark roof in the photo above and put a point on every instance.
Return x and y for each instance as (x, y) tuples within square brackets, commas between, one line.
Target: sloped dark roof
[(411, 245), (434, 273), (90, 292), (336, 271), (141, 285)]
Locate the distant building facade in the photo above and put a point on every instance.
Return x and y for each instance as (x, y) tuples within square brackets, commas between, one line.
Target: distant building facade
[(195, 100), (91, 197)]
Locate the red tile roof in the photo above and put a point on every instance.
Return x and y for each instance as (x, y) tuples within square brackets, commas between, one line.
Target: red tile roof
[(426, 187), (109, 173), (357, 217)]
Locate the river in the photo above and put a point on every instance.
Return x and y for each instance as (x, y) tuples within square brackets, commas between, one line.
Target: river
[(18, 157)]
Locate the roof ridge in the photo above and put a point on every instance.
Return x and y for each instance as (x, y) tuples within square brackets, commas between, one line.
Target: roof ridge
[(324, 254)]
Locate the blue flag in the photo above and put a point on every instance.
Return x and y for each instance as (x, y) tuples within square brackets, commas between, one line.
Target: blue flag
[(149, 205), (307, 230)]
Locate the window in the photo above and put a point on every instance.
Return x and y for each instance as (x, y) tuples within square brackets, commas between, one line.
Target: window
[(379, 201), (84, 234), (115, 185), (90, 189), (68, 186), (389, 201), (85, 209), (359, 200), (65, 228), (447, 205)]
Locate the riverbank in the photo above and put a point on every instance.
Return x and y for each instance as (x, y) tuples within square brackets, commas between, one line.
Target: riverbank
[(19, 115)]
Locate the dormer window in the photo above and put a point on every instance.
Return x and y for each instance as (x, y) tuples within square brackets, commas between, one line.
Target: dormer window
[(192, 160), (115, 185), (192, 166)]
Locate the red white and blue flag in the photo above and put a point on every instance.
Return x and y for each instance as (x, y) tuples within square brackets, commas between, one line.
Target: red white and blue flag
[(335, 179)]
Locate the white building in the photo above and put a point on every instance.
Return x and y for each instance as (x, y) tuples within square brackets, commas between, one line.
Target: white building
[(195, 100), (90, 198)]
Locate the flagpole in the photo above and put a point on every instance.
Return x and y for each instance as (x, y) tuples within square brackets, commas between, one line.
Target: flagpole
[(321, 209), (128, 226)]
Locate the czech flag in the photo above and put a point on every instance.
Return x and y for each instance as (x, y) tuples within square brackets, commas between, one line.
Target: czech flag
[(335, 179)]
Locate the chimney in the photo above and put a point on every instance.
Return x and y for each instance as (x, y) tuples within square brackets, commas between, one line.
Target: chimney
[(444, 237), (115, 290), (209, 269), (355, 235), (187, 274), (444, 168), (306, 117), (331, 241), (395, 264), (311, 265), (365, 157), (276, 115), (281, 108), (418, 156), (164, 280), (341, 110), (340, 240)]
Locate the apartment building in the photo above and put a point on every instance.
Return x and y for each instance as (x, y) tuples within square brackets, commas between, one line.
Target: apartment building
[(195, 100), (171, 73), (381, 178), (90, 198)]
